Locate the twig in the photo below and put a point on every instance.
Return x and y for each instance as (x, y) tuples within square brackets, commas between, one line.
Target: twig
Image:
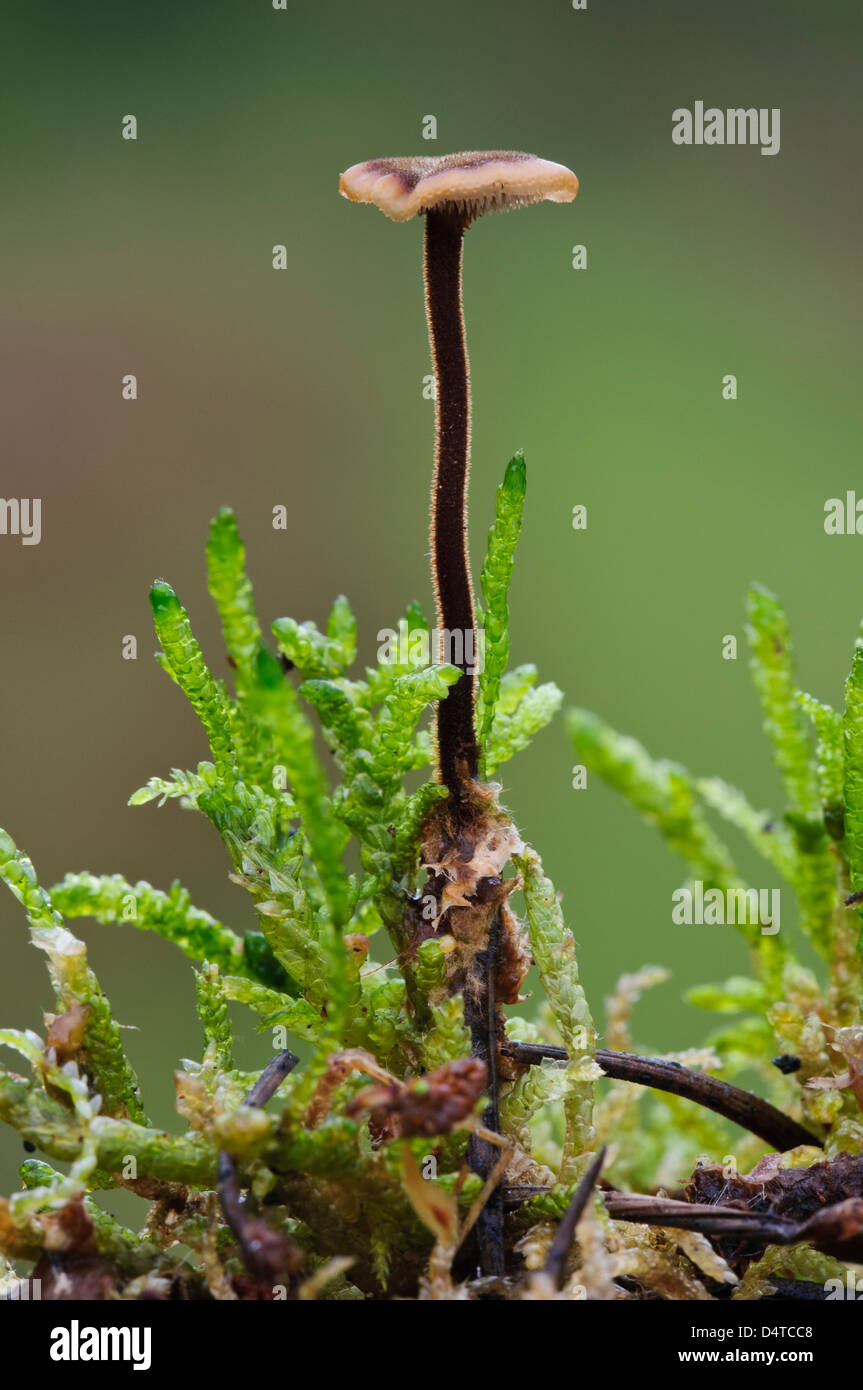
[(271, 1078), (482, 1018), (513, 1196), (534, 1053), (794, 1290), (743, 1108), (555, 1265), (700, 1216), (836, 1229), (265, 1254)]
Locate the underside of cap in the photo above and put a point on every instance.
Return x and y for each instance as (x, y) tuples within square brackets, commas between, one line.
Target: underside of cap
[(471, 184)]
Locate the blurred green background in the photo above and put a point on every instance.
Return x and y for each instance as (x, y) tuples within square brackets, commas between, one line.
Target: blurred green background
[(304, 387)]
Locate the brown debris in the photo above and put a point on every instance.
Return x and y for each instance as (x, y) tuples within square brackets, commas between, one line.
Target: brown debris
[(793, 1193), (465, 848), (514, 961), (70, 1269), (469, 842), (357, 945), (427, 1105), (17, 1240), (173, 1195), (75, 1278), (66, 1033), (69, 1229), (339, 1067)]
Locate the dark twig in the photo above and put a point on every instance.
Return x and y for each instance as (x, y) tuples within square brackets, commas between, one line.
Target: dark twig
[(555, 1265), (534, 1053), (835, 1230), (481, 1015), (515, 1194), (744, 1109), (795, 1290), (271, 1078), (265, 1254), (699, 1216)]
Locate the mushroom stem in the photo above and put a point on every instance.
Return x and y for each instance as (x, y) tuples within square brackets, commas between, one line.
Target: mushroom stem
[(458, 754)]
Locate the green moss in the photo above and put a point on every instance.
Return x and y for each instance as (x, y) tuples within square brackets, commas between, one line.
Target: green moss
[(293, 822)]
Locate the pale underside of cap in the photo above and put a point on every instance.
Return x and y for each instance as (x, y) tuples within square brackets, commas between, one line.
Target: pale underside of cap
[(471, 184)]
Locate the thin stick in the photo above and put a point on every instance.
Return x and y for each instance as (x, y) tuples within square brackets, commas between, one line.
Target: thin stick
[(264, 1252), (835, 1228), (481, 1015), (744, 1109), (271, 1078), (458, 754), (555, 1264), (700, 1216)]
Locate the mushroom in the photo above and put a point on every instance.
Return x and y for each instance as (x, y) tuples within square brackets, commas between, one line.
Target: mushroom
[(452, 192)]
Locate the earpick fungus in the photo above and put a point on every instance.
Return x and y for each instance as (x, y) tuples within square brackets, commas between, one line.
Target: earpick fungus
[(467, 842), (452, 192)]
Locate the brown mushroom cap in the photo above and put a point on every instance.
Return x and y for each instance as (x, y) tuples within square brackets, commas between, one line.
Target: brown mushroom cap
[(472, 183)]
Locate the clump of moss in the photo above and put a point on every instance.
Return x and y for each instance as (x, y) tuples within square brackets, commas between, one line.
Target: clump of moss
[(328, 1178), (368, 1179)]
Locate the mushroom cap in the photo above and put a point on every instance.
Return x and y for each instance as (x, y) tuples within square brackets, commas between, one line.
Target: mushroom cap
[(472, 183)]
